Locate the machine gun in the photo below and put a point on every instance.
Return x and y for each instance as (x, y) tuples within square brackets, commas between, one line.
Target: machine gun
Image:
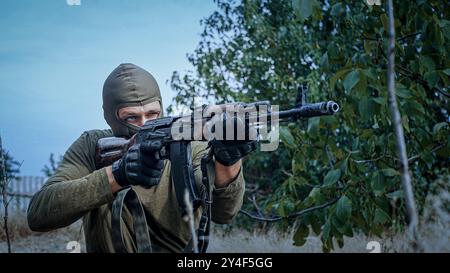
[(177, 132)]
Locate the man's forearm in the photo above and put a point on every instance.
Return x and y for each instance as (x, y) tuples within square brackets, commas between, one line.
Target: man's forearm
[(226, 174), (228, 192), (60, 203)]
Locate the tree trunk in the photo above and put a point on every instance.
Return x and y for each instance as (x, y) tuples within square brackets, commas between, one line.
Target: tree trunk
[(398, 128), (4, 188)]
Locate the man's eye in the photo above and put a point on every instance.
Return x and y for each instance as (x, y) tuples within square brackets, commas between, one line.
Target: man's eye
[(130, 118), (153, 115)]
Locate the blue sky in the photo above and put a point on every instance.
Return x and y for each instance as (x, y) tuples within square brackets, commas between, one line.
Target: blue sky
[(54, 59)]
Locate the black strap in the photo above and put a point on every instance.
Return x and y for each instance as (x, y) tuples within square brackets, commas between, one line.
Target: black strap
[(183, 174), (205, 220), (128, 197)]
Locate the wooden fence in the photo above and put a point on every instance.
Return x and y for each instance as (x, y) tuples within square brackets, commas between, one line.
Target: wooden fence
[(21, 190)]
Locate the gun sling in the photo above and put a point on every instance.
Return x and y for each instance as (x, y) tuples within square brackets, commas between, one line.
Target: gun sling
[(129, 198)]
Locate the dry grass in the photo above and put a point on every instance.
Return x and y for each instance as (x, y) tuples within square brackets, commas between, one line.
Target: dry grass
[(17, 226), (274, 242), (24, 240), (436, 220), (434, 231)]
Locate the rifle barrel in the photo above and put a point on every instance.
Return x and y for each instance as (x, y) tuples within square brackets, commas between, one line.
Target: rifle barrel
[(311, 110)]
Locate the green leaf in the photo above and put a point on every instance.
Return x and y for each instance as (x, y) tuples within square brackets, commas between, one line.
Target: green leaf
[(303, 8), (344, 166), (380, 216), (446, 71), (427, 62), (390, 172), (403, 93), (380, 100), (405, 123), (377, 183), (368, 46), (313, 126), (332, 177), (280, 208), (340, 242), (337, 9), (337, 76), (371, 74), (324, 64), (365, 108), (427, 158), (298, 164), (395, 194), (314, 194), (413, 107), (301, 180), (366, 133), (444, 78), (439, 126), (326, 231), (361, 86), (351, 80), (432, 78), (316, 227), (301, 235), (343, 209), (286, 136)]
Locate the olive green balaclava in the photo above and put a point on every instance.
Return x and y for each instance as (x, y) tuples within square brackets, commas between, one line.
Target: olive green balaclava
[(127, 85)]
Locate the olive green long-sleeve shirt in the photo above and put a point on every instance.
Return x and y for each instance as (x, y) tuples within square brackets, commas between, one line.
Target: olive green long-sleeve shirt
[(77, 190)]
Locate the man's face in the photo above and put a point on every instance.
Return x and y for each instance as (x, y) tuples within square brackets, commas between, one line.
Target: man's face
[(138, 115)]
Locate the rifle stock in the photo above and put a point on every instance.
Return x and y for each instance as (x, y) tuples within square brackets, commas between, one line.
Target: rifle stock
[(110, 149)]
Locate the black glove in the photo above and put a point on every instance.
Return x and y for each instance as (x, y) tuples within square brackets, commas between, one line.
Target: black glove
[(140, 165), (228, 152)]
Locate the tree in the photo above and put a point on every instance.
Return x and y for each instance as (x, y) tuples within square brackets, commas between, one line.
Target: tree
[(9, 168), (263, 49), (12, 166), (50, 169)]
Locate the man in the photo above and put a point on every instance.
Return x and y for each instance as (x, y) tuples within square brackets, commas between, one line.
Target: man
[(78, 189)]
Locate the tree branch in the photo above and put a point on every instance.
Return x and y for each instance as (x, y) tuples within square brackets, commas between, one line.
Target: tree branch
[(253, 200), (293, 215), (398, 39), (418, 78), (369, 160), (305, 184), (408, 73), (330, 157), (410, 160), (415, 157), (408, 36)]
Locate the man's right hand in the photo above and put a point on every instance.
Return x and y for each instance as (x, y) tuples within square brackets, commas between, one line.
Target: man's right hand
[(140, 165)]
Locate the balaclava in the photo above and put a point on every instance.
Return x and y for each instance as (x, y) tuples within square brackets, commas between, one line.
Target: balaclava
[(128, 85)]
